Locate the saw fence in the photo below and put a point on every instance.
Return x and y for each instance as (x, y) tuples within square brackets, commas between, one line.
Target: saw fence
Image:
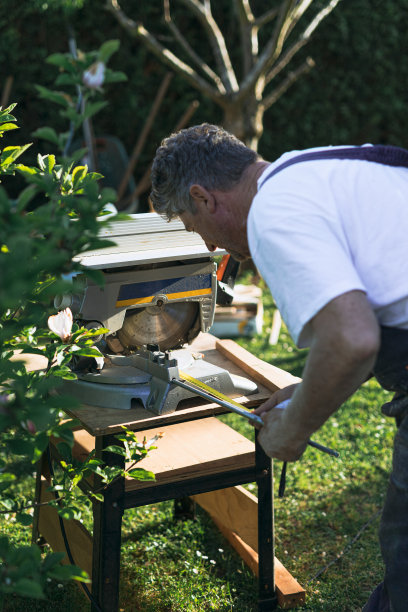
[(200, 457)]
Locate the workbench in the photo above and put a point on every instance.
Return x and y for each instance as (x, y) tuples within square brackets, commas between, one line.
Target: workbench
[(198, 456)]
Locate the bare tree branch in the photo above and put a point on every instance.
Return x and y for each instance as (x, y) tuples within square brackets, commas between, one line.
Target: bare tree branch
[(266, 17), (271, 51), (302, 40), (274, 47), (297, 13), (243, 103), (290, 79), (222, 59), (320, 16), (190, 51), (249, 34), (244, 12), (137, 30)]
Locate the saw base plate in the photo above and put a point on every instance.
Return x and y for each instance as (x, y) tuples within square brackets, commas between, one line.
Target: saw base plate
[(138, 378)]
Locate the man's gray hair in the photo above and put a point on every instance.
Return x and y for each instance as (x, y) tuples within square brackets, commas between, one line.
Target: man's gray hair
[(206, 155)]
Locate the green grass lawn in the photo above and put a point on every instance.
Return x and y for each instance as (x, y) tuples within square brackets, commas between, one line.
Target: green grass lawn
[(170, 565)]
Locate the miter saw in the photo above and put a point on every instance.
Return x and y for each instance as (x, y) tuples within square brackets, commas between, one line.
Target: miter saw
[(160, 290)]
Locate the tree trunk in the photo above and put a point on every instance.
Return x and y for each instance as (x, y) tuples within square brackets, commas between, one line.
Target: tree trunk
[(245, 120)]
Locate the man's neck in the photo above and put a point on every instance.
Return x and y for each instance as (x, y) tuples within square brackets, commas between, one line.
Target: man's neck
[(248, 185)]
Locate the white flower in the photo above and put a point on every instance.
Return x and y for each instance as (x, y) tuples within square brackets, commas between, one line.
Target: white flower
[(100, 362), (61, 324), (94, 76)]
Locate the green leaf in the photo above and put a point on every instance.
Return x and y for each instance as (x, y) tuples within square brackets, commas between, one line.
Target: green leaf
[(24, 519), (78, 175), (26, 170), (20, 447), (66, 434), (64, 373), (141, 474), (29, 588), (64, 450), (67, 513), (54, 96), (107, 49), (47, 133), (92, 109), (10, 154), (88, 352), (67, 79), (97, 276), (5, 127), (25, 197), (78, 155), (115, 76), (62, 60), (6, 479), (6, 112), (118, 450), (69, 572), (49, 163), (52, 559)]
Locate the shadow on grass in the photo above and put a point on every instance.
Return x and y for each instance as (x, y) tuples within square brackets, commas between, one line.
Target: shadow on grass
[(186, 565), (331, 544)]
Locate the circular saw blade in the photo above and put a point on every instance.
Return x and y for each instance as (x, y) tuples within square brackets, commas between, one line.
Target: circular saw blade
[(170, 326)]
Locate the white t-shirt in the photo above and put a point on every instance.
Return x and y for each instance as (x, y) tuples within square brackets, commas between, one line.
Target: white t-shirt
[(321, 228)]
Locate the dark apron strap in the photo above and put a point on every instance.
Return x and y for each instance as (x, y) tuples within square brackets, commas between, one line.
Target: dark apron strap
[(380, 154), (391, 367)]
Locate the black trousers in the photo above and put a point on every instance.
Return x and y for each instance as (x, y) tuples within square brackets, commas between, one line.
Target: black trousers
[(391, 370)]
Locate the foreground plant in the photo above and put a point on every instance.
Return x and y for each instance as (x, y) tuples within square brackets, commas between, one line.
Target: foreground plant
[(55, 218)]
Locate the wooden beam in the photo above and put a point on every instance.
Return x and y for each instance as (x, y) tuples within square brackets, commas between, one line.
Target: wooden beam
[(289, 592), (234, 508), (235, 512), (266, 374)]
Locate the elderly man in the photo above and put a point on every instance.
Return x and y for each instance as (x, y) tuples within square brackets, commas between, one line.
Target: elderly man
[(328, 231)]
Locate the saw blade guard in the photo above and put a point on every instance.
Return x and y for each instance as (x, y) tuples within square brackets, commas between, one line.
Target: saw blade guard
[(167, 305)]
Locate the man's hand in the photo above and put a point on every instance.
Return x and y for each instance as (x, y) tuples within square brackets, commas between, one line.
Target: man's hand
[(275, 399), (280, 441)]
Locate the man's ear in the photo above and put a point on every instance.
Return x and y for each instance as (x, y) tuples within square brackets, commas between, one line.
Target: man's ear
[(202, 196)]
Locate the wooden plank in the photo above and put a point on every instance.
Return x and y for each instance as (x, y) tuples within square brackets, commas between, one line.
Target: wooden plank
[(235, 508), (266, 374), (80, 541), (289, 592), (235, 512)]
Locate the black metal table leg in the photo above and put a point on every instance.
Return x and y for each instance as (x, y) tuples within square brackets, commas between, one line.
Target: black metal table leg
[(107, 534), (267, 596)]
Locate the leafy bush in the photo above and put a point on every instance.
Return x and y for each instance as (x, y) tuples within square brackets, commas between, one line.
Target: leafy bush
[(55, 218)]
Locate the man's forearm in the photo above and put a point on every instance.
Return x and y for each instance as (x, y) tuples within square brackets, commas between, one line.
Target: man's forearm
[(329, 379), (342, 354)]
